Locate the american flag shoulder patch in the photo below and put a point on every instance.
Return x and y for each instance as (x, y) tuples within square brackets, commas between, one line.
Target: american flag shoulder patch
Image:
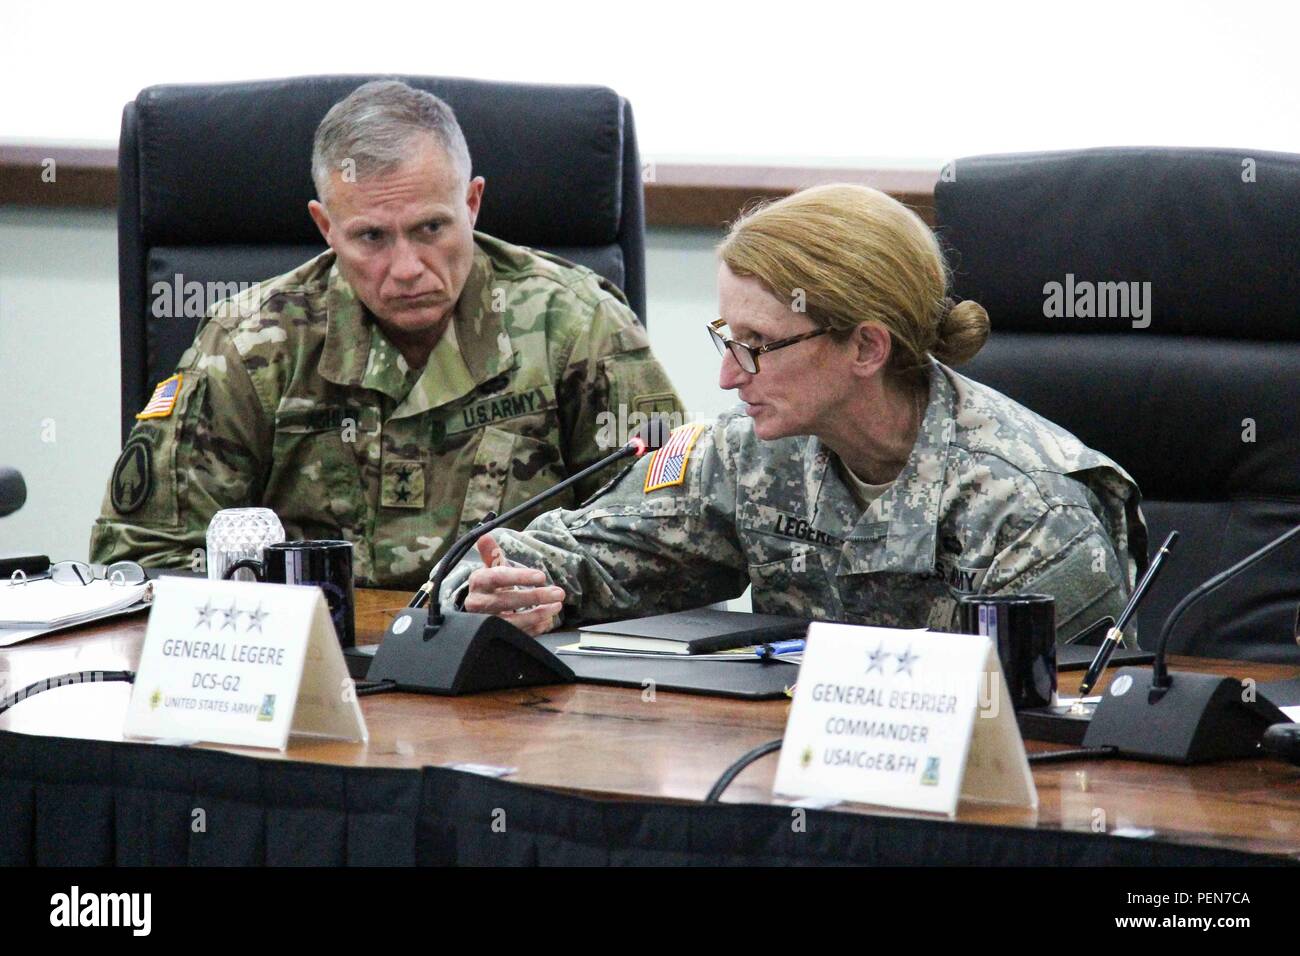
[(164, 397), (668, 464)]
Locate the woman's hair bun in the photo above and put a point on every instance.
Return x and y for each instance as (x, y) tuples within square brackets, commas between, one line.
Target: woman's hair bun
[(963, 330)]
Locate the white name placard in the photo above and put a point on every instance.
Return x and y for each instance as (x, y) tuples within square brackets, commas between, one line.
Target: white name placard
[(908, 719), (241, 663)]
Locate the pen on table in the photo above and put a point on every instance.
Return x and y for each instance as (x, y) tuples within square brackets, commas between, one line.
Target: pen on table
[(1116, 633), (780, 647)]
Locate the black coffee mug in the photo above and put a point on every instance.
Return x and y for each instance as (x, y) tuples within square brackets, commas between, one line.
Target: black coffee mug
[(1023, 629), (324, 564)]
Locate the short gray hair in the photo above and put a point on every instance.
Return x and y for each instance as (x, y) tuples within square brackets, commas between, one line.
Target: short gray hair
[(374, 127)]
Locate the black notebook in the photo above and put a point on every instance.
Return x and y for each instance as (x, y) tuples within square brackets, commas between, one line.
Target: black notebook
[(704, 630)]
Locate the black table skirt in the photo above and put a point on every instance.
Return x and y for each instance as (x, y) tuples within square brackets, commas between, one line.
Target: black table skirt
[(68, 802)]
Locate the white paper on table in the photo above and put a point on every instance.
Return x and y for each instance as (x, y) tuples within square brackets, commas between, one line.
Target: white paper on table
[(44, 604)]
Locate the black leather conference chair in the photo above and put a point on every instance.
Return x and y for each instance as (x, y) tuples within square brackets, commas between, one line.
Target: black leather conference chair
[(214, 182), (1202, 406)]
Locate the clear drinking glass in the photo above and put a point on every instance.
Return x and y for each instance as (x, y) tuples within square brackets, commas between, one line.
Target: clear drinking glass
[(238, 533)]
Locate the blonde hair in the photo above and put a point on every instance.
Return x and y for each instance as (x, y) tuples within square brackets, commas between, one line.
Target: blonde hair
[(857, 256)]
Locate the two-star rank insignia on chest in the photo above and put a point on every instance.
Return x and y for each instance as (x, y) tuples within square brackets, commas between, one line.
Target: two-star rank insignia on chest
[(403, 484)]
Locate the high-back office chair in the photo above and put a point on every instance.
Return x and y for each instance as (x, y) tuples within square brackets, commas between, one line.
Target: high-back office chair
[(214, 182), (1202, 406)]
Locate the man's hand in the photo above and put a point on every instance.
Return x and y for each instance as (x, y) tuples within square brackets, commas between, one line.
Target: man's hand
[(512, 592)]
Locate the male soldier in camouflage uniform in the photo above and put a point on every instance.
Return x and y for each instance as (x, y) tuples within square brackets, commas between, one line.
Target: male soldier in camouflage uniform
[(993, 499), (395, 389)]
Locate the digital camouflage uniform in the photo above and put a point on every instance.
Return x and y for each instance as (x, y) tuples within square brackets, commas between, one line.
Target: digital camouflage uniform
[(993, 499), (291, 398)]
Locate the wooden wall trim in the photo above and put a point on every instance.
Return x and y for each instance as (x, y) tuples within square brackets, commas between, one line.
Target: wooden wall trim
[(712, 196), (83, 177), (676, 195)]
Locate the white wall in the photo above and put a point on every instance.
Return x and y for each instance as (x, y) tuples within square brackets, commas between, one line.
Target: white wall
[(818, 81), (60, 365), (59, 372)]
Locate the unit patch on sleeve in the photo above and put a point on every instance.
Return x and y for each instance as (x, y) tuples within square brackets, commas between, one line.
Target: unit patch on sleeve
[(668, 464), (164, 397), (132, 476)]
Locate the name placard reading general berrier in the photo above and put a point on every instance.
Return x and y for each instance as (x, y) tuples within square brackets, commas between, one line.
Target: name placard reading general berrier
[(908, 719)]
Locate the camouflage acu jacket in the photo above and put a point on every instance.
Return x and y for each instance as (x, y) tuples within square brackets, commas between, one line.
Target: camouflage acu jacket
[(291, 398), (993, 499)]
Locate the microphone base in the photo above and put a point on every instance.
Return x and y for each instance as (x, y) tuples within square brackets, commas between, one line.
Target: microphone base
[(465, 654), (1197, 719)]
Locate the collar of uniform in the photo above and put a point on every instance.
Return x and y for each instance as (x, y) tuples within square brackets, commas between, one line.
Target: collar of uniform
[(386, 368), (907, 516), (444, 378), (478, 349), (484, 344), (480, 322), (835, 510), (346, 354)]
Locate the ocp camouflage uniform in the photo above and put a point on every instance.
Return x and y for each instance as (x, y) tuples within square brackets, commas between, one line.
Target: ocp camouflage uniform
[(291, 398), (994, 499)]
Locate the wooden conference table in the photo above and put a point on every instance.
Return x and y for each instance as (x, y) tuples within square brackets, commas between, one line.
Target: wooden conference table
[(609, 742)]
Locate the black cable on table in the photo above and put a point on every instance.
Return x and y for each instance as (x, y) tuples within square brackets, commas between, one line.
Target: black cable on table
[(732, 772), (64, 680), (1080, 753), (366, 689)]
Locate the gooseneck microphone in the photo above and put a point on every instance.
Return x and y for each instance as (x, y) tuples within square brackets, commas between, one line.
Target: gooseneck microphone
[(1161, 680), (650, 438), (1183, 717), (456, 652)]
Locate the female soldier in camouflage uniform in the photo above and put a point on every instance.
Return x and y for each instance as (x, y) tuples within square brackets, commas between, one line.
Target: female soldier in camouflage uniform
[(863, 480)]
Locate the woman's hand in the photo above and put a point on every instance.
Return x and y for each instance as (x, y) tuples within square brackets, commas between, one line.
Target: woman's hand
[(514, 593)]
